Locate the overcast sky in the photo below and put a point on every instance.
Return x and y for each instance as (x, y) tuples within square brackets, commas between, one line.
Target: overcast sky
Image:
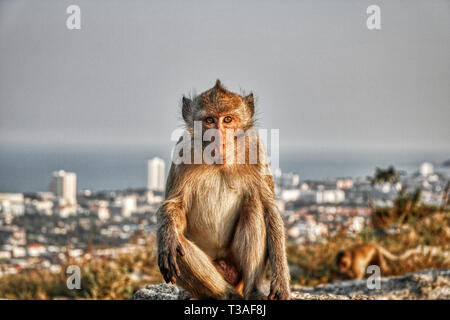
[(319, 74)]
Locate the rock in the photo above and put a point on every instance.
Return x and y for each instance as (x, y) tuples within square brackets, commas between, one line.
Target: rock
[(425, 284), (161, 291)]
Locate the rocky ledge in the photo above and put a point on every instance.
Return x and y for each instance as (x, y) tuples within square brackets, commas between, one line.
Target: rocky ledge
[(425, 284)]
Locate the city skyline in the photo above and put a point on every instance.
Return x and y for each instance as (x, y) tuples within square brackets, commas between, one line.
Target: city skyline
[(121, 170)]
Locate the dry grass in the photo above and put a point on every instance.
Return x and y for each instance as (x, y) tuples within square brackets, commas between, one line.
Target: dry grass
[(311, 264), (314, 264), (102, 278)]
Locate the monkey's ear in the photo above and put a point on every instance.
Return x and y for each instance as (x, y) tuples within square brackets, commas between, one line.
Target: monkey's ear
[(339, 256), (186, 109), (250, 102)]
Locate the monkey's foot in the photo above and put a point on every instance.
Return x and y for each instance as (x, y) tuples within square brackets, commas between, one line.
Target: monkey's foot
[(257, 295)]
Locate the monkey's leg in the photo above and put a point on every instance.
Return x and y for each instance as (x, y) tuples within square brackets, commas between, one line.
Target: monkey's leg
[(199, 276), (249, 249), (276, 250), (359, 267), (382, 263)]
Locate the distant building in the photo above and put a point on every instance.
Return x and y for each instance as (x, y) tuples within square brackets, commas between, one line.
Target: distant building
[(426, 169), (12, 235), (5, 255), (36, 249), (320, 196), (41, 207), (101, 209), (156, 169), (290, 194), (125, 205), (151, 198), (12, 203), (308, 196), (18, 252), (286, 180), (64, 186), (344, 183), (330, 196)]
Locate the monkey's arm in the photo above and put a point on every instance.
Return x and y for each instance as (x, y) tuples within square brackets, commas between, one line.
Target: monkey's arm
[(171, 223), (279, 286), (170, 219)]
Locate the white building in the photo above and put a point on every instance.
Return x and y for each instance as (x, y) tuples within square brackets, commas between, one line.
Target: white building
[(156, 169), (42, 207), (126, 204), (18, 252), (64, 186), (290, 194), (330, 196), (344, 183), (12, 203), (426, 169), (286, 180), (5, 255), (101, 209), (321, 196), (36, 249), (151, 198)]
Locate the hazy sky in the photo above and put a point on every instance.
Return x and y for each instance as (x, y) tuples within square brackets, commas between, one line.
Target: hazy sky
[(319, 74)]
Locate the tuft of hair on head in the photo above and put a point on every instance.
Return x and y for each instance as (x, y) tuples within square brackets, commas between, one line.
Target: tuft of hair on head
[(219, 86)]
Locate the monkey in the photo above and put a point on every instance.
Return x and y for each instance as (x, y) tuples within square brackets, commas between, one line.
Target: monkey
[(219, 226), (354, 261)]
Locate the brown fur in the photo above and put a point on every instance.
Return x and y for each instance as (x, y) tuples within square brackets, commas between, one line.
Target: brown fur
[(354, 261), (219, 224)]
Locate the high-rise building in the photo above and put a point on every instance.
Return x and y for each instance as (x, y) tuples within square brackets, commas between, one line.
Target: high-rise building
[(426, 169), (155, 174), (64, 186)]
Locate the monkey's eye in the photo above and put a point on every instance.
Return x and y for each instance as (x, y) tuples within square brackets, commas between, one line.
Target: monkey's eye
[(209, 120), (227, 119)]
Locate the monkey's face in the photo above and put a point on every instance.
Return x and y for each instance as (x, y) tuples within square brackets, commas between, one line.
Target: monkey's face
[(224, 124), (344, 261), (226, 113)]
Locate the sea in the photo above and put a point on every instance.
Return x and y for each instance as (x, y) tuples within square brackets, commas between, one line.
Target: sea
[(116, 168)]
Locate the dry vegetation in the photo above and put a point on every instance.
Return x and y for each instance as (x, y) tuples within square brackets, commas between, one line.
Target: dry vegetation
[(312, 264), (102, 278)]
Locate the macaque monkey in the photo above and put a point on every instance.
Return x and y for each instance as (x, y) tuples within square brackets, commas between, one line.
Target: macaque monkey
[(354, 261), (219, 225)]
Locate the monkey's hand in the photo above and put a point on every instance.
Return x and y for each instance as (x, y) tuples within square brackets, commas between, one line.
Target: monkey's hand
[(167, 257), (279, 289)]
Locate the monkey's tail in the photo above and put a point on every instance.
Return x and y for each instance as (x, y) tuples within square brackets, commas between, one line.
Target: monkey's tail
[(394, 257), (389, 255), (407, 254), (427, 250)]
